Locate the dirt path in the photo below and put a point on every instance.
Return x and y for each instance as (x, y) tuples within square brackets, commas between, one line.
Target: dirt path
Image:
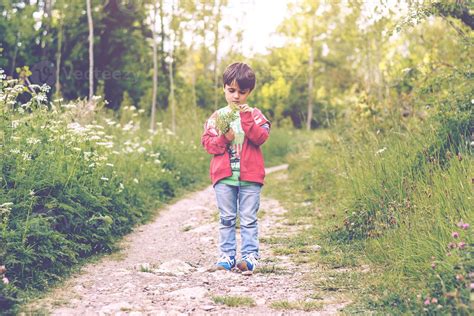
[(163, 269)]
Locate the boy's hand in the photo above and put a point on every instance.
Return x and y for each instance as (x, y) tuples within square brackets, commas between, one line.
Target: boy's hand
[(245, 108), (230, 135)]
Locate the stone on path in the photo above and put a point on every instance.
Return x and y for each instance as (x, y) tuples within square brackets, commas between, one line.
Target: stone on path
[(188, 293), (174, 267)]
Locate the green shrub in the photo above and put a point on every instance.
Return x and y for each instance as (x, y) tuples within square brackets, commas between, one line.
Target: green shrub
[(74, 181)]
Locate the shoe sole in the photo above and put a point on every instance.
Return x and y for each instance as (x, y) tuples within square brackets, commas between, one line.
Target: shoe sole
[(242, 266)]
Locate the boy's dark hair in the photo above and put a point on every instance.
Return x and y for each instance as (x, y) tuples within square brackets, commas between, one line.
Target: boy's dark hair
[(240, 72)]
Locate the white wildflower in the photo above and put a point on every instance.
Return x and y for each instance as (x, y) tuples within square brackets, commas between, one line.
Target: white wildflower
[(15, 124), (110, 122), (141, 150), (45, 88), (76, 128), (157, 161), (141, 111), (14, 151), (32, 141), (104, 178), (26, 156), (91, 165), (105, 144), (95, 137), (381, 151), (76, 149), (128, 126), (135, 180), (41, 98), (109, 164)]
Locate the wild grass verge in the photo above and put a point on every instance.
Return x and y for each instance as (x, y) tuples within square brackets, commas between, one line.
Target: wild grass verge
[(393, 209), (74, 179)]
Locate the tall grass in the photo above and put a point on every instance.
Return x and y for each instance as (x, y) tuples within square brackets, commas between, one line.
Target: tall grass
[(74, 179), (405, 196)]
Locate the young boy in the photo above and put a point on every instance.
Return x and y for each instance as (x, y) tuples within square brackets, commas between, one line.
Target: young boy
[(237, 168)]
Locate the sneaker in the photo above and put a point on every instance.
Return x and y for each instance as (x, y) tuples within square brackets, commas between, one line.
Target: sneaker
[(248, 264), (226, 263)]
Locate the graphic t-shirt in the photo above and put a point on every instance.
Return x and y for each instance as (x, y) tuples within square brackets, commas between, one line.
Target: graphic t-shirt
[(234, 149)]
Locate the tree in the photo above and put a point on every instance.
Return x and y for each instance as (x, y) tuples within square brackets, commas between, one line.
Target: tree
[(155, 69), (91, 50)]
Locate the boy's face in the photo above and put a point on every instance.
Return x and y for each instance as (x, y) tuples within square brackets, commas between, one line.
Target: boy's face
[(235, 95)]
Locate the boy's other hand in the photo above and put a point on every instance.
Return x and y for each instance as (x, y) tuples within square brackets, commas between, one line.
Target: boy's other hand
[(245, 108), (230, 135)]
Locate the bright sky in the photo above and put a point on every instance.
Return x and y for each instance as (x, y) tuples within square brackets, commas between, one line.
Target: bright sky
[(259, 19)]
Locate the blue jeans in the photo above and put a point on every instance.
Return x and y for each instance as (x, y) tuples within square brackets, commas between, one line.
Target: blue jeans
[(247, 200)]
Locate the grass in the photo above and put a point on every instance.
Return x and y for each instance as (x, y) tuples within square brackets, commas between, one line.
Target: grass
[(271, 268), (306, 306), (393, 210), (234, 301)]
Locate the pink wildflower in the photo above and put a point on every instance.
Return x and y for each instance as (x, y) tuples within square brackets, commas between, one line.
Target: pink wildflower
[(452, 245), (472, 286), (460, 223), (5, 280), (427, 301), (465, 226), (434, 300), (461, 245), (455, 234), (433, 265)]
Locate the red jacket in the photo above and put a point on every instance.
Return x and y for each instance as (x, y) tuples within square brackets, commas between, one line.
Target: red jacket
[(252, 167)]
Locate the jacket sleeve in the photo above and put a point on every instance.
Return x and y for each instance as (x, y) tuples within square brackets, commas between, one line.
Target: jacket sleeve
[(253, 131), (214, 143)]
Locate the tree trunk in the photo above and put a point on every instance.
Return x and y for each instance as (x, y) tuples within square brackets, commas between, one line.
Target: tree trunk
[(163, 37), (15, 53), (155, 72), (216, 50), (58, 59), (310, 84), (171, 96), (91, 50)]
